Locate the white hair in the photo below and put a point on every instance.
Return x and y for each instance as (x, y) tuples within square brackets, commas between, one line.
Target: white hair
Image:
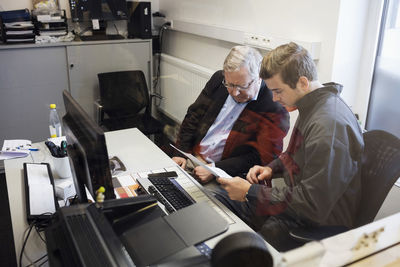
[(243, 56)]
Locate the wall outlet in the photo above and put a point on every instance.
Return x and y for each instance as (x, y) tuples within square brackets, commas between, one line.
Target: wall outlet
[(257, 40)]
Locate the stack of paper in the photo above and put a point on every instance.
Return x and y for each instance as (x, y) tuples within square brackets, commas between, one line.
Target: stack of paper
[(16, 26), (17, 32), (52, 24)]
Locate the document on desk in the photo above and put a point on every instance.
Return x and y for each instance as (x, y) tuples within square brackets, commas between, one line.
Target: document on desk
[(125, 186), (17, 148), (217, 172)]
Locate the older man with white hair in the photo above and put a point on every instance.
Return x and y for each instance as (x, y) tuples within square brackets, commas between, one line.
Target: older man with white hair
[(234, 124)]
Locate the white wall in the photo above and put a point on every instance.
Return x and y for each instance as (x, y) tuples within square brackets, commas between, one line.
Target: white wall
[(285, 18), (338, 25), (348, 47), (370, 44)]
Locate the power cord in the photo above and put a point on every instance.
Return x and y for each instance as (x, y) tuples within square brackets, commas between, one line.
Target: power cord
[(40, 225), (156, 86), (115, 26), (24, 244), (37, 261)]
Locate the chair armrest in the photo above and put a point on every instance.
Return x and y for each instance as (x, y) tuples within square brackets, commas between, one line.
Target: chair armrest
[(307, 234), (99, 112)]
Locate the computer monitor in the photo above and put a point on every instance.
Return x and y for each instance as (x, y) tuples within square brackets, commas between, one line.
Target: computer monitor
[(103, 10), (87, 151)]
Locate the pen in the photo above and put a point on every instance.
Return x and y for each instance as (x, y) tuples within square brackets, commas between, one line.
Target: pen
[(63, 147), (30, 149), (53, 148)]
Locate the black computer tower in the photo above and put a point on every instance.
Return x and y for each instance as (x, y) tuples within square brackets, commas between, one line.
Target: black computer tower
[(139, 23)]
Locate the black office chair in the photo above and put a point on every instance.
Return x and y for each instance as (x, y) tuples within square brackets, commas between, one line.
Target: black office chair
[(379, 171), (125, 102)]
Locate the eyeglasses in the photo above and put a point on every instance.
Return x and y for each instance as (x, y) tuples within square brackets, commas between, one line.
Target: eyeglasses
[(238, 87)]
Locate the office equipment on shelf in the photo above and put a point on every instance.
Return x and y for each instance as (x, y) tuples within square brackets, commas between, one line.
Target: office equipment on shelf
[(16, 26), (87, 151), (54, 24), (139, 19), (82, 10), (40, 198), (98, 13)]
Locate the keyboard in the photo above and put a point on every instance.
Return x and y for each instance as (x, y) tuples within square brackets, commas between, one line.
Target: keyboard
[(169, 193), (185, 184), (101, 37)]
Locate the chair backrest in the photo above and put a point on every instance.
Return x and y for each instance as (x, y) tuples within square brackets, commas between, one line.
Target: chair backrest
[(379, 171), (123, 93)]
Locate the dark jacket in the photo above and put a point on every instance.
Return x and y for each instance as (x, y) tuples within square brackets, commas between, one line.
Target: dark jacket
[(256, 136), (321, 165)]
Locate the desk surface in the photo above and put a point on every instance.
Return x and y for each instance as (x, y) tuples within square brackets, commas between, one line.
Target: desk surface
[(139, 154), (35, 247), (134, 149)]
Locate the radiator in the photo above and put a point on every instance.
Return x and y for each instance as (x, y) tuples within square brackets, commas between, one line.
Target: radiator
[(180, 84)]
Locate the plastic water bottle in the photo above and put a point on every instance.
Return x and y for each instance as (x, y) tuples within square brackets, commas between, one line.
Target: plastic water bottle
[(55, 125)]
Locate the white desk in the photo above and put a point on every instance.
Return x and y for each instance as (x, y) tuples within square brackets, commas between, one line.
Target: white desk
[(35, 248), (139, 154), (374, 244), (134, 149)]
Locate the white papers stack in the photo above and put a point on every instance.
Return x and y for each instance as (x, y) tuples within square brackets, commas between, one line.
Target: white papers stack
[(19, 32), (52, 24)]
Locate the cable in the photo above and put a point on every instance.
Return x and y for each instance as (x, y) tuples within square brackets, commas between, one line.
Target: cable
[(24, 244), (115, 26), (156, 88), (36, 261), (38, 232), (73, 200), (22, 240), (43, 262), (40, 225)]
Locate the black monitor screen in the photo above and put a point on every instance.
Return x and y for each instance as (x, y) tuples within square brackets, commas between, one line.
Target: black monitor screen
[(87, 151), (86, 10)]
